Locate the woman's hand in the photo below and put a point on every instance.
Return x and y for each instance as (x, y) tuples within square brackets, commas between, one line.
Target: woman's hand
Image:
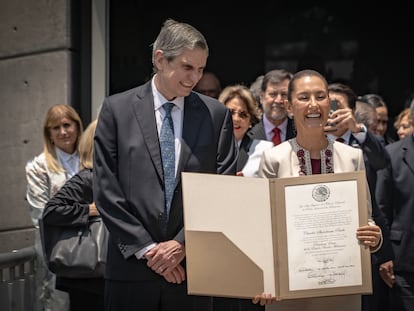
[(93, 211), (370, 235)]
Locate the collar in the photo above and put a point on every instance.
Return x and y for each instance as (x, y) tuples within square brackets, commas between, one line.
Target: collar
[(305, 162), (160, 100), (65, 157), (269, 126)]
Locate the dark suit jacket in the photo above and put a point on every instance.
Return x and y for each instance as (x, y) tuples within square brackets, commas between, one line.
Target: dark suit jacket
[(128, 174), (395, 197), (258, 132), (375, 158), (243, 152)]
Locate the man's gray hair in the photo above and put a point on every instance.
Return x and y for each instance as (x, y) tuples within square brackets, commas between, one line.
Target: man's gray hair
[(174, 37)]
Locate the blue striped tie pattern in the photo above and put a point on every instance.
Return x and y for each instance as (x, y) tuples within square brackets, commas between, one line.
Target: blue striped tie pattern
[(168, 156)]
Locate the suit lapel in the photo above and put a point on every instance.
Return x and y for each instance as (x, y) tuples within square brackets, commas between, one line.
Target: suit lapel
[(191, 126), (258, 131), (144, 113), (353, 142), (408, 153), (243, 152)]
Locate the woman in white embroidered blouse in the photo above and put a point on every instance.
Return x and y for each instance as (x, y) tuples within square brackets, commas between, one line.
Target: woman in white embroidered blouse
[(312, 153), (45, 174)]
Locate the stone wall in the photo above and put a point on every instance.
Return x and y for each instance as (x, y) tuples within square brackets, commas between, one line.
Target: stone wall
[(38, 60)]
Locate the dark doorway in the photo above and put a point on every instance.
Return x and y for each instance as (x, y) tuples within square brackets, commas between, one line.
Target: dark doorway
[(362, 47)]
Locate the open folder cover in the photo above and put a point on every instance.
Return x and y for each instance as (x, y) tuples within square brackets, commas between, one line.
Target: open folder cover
[(292, 237)]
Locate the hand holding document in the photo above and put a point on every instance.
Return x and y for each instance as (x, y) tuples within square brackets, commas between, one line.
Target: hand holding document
[(295, 238)]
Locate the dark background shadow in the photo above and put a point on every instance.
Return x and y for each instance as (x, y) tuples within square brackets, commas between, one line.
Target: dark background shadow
[(367, 48)]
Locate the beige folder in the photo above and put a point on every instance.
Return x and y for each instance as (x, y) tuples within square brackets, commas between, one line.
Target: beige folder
[(236, 239)]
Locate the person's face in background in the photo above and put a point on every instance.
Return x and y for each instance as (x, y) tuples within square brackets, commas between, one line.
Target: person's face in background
[(309, 105), (405, 127), (208, 85), (273, 101), (177, 77), (64, 135), (382, 117), (241, 117)]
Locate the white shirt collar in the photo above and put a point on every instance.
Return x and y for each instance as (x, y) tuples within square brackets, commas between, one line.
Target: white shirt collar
[(268, 127), (160, 100), (70, 162), (346, 136)]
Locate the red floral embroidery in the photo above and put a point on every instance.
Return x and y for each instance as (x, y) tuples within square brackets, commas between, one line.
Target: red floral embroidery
[(306, 166)]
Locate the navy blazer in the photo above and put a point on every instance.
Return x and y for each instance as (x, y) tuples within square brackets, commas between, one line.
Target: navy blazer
[(128, 175), (395, 197), (376, 158)]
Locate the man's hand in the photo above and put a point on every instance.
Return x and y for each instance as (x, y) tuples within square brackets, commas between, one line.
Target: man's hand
[(165, 257), (176, 276), (386, 271), (343, 119)]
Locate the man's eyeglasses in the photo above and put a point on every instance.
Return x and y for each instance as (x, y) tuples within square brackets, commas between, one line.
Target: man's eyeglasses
[(241, 114)]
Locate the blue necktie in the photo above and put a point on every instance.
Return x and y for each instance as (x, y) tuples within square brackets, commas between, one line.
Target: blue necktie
[(168, 156)]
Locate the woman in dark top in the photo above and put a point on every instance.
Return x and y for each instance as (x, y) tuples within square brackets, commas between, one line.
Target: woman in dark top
[(73, 205)]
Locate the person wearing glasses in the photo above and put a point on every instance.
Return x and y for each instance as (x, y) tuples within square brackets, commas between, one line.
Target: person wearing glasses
[(245, 113), (275, 124), (244, 109)]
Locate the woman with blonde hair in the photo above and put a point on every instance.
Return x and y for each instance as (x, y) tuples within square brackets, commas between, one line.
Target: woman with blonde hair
[(45, 174), (404, 124)]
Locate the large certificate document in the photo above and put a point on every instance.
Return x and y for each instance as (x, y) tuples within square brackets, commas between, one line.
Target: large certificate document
[(292, 237), (315, 219)]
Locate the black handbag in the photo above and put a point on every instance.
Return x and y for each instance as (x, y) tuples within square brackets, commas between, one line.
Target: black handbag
[(76, 251)]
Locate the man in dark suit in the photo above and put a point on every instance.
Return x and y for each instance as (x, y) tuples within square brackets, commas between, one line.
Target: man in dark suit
[(273, 94), (345, 126), (146, 251), (395, 198)]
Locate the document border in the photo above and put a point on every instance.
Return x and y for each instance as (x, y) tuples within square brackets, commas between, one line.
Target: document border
[(280, 246)]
